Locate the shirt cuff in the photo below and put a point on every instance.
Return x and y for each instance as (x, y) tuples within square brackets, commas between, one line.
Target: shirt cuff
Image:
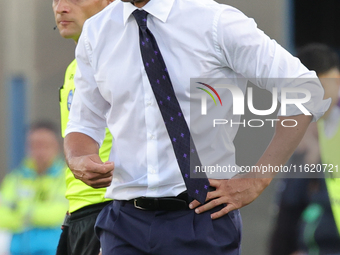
[(96, 134), (317, 109)]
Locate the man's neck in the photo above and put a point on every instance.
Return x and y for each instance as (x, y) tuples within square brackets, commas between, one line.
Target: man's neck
[(139, 3)]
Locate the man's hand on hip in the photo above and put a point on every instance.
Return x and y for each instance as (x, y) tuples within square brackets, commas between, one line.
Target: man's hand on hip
[(235, 193), (244, 189)]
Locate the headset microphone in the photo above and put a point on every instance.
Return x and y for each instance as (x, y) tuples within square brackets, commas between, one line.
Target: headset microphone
[(55, 28)]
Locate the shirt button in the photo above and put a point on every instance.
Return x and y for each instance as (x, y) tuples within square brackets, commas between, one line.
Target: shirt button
[(152, 137), (148, 103), (152, 170)]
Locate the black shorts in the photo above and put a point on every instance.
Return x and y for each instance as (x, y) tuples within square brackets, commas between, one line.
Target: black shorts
[(78, 237)]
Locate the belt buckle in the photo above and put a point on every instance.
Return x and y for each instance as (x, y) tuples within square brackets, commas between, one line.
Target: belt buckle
[(137, 206)]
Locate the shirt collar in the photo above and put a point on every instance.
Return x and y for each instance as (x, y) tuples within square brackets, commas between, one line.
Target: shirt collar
[(157, 8)]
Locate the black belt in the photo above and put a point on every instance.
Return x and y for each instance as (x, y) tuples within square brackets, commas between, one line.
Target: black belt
[(180, 202)]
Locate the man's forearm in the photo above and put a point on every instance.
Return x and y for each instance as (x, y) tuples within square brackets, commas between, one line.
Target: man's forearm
[(283, 144), (79, 144)]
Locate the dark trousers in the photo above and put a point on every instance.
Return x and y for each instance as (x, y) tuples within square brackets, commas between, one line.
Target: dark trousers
[(125, 230), (81, 237), (78, 237)]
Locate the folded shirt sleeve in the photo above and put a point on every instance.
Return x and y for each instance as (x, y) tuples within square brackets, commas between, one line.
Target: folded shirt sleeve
[(88, 109)]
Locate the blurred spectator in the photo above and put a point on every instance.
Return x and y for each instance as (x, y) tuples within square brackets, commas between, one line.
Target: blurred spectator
[(305, 223), (32, 203), (5, 240)]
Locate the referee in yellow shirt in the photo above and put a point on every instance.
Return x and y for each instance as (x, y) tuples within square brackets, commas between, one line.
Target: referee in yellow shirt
[(85, 202)]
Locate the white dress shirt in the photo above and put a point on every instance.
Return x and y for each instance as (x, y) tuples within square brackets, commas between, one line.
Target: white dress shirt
[(197, 38)]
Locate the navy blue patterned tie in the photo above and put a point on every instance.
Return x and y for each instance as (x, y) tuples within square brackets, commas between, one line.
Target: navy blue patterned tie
[(170, 109)]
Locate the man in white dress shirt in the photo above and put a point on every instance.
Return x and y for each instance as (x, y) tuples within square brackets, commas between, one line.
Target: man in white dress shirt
[(196, 39)]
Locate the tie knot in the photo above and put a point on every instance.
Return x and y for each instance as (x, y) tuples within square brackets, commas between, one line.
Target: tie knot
[(140, 16)]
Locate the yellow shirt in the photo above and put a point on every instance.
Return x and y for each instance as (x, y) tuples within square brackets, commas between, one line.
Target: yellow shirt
[(78, 193), (330, 154)]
